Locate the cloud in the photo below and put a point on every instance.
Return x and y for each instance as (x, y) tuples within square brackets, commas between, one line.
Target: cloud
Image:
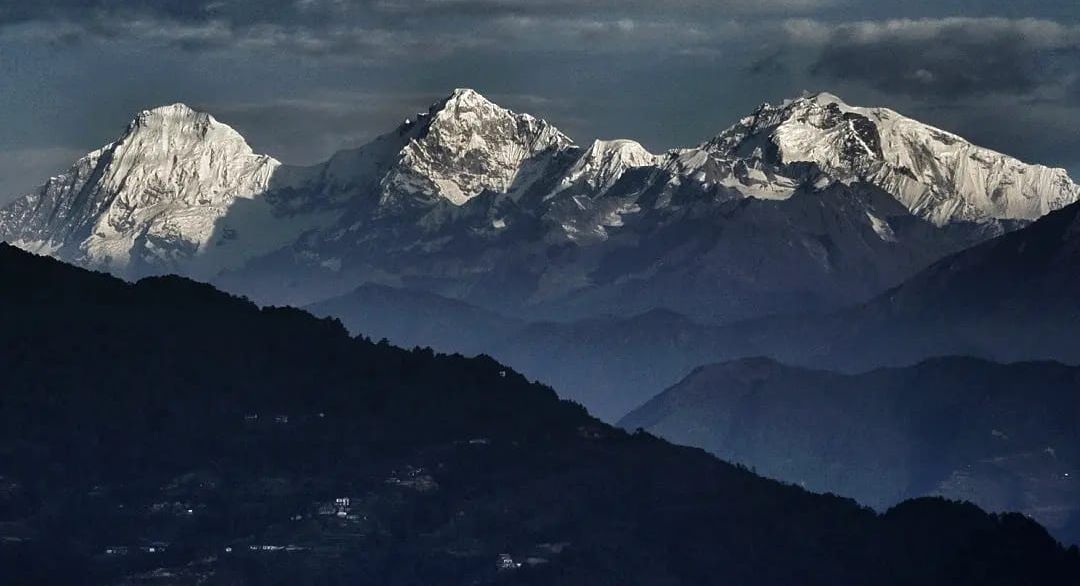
[(949, 58), (381, 13), (627, 8), (354, 43), (606, 35), (771, 63), (364, 29), (240, 12)]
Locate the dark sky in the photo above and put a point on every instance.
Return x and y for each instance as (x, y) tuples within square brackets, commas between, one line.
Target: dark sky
[(303, 78)]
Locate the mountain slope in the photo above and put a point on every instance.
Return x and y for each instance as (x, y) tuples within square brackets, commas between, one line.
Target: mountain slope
[(1002, 436), (602, 165), (1011, 298), (265, 446), (409, 318), (470, 145), (937, 175), (152, 198), (1016, 294), (608, 364)]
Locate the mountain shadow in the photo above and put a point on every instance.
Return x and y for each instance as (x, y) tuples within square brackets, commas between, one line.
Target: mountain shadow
[(1011, 298)]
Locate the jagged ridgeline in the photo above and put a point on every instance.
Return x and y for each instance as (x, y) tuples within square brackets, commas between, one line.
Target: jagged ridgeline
[(166, 431), (810, 204)]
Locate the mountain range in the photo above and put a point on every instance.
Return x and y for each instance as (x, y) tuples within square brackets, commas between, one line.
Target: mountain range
[(997, 435), (163, 432), (1013, 298), (608, 364), (159, 429), (809, 205)]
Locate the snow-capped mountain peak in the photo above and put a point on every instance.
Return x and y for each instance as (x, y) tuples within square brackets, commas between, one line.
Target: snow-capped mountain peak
[(604, 162), (178, 126), (178, 111), (157, 191), (466, 145), (816, 128), (468, 101), (936, 174), (824, 98), (177, 130)]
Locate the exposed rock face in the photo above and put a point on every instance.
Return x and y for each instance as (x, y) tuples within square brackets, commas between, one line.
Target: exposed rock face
[(467, 145), (604, 163), (152, 198), (937, 175)]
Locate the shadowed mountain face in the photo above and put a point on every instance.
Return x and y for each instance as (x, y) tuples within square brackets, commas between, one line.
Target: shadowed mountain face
[(165, 432), (1002, 436), (1012, 298)]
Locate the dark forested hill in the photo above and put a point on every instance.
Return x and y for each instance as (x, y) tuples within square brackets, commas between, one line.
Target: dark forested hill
[(166, 433)]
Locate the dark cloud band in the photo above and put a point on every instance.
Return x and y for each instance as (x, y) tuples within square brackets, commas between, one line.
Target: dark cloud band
[(948, 58)]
